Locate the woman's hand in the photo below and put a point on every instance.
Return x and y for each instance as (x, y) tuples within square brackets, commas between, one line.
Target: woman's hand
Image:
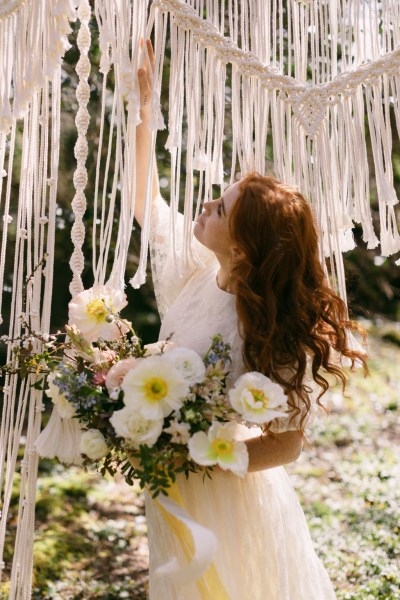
[(145, 75), (143, 135)]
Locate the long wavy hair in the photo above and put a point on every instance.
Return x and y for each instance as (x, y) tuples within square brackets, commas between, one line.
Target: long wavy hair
[(287, 312)]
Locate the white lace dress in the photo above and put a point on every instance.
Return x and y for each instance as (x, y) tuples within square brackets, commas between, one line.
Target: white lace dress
[(264, 547)]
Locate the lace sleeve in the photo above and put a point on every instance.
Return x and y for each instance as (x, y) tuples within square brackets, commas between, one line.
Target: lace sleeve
[(170, 272)]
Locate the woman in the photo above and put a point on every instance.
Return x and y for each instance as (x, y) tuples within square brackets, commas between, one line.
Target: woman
[(263, 288)]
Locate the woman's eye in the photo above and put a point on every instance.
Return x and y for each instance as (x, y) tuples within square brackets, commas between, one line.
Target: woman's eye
[(219, 209)]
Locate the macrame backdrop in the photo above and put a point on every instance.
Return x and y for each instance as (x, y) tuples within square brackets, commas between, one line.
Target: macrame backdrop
[(304, 75)]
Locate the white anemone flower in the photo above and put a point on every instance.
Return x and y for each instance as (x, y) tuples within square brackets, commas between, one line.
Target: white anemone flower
[(136, 429), (65, 409), (188, 363), (219, 447), (95, 313), (154, 388), (257, 398)]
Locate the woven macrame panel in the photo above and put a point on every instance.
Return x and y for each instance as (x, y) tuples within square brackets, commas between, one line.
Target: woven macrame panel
[(33, 40), (313, 79), (304, 76)]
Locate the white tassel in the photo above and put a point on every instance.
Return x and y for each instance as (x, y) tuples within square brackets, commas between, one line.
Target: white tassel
[(347, 240), (60, 439), (139, 278), (157, 119), (200, 161)]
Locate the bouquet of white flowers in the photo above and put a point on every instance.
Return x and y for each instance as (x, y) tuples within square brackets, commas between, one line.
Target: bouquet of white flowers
[(149, 411)]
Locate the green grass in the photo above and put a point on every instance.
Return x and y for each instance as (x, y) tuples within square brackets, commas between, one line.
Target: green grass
[(91, 532), (348, 482)]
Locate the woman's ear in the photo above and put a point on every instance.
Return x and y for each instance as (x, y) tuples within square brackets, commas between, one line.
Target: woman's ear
[(235, 252)]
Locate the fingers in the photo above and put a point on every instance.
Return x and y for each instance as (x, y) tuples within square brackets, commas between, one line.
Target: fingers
[(150, 52)]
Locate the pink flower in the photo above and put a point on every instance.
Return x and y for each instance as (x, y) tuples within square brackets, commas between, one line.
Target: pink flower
[(118, 372), (100, 377), (103, 356)]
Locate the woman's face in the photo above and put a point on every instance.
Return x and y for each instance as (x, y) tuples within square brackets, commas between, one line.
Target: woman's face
[(212, 226)]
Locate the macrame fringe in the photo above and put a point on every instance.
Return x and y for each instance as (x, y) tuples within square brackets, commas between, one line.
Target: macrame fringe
[(33, 40), (61, 439), (317, 125)]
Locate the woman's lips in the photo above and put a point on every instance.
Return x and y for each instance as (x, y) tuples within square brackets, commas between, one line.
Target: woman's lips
[(200, 220)]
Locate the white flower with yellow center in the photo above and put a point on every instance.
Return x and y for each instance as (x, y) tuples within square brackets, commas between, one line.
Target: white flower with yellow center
[(257, 398), (65, 409), (218, 447), (154, 388), (95, 313), (136, 429), (188, 363)]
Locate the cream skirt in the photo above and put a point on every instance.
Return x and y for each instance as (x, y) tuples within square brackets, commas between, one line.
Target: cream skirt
[(264, 549)]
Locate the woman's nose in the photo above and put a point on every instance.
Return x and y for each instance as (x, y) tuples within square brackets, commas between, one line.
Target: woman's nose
[(206, 206)]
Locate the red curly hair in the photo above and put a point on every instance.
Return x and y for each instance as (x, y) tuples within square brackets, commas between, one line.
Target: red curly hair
[(286, 310)]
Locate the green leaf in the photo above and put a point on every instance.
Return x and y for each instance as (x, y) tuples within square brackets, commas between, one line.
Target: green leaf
[(39, 385)]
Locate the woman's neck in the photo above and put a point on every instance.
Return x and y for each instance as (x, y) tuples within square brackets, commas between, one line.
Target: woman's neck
[(224, 275)]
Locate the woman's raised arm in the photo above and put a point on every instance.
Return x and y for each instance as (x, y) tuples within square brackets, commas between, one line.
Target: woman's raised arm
[(143, 137)]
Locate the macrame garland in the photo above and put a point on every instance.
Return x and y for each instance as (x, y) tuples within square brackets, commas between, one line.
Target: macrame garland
[(324, 117), (317, 126)]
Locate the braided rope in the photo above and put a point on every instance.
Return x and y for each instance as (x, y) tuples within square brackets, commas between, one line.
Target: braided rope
[(77, 260)]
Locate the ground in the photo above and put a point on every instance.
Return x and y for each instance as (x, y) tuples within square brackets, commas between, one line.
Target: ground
[(91, 533)]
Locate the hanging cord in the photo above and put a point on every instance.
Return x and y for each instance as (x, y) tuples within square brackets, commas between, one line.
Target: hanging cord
[(77, 260)]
